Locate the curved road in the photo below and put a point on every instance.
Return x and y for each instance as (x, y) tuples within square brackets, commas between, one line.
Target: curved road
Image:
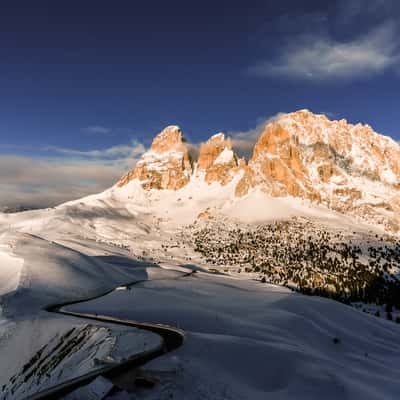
[(172, 339)]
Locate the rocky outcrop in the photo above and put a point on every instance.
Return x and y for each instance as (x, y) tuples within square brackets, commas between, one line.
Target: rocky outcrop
[(277, 166), (166, 165), (349, 168), (217, 160)]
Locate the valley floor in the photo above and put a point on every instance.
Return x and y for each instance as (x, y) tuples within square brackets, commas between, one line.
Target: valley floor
[(245, 339)]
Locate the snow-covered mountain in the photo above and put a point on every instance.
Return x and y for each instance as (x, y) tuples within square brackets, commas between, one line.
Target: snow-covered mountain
[(305, 170), (348, 168), (314, 210)]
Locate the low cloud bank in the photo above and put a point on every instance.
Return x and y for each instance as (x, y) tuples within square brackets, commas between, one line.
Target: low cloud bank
[(48, 181)]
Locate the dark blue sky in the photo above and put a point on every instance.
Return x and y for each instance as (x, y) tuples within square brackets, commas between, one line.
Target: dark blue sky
[(86, 75)]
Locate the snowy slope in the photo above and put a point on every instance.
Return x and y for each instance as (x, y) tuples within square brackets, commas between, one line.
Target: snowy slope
[(247, 340), (48, 257), (68, 251), (82, 248), (10, 272)]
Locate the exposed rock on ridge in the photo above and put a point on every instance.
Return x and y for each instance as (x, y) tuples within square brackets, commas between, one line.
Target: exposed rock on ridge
[(217, 160), (276, 167), (166, 165), (349, 168)]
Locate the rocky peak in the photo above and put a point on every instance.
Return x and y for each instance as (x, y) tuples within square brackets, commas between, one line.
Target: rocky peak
[(276, 166), (210, 150), (168, 140), (347, 167), (166, 165), (217, 160), (357, 148)]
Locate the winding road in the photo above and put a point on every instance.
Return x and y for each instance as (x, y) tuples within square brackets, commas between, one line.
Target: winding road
[(172, 339)]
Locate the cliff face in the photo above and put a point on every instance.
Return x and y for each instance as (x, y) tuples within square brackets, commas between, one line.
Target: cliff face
[(217, 160), (277, 167), (349, 168), (166, 165)]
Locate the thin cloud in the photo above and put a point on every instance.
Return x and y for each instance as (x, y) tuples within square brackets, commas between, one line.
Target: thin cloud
[(324, 58), (243, 141), (48, 181), (123, 150), (96, 130)]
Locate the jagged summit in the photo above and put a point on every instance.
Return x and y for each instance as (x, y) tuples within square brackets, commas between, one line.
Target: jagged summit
[(349, 168), (210, 150), (217, 160), (166, 165), (168, 139)]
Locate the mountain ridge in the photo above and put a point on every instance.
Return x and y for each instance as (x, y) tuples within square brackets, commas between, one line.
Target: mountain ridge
[(348, 168)]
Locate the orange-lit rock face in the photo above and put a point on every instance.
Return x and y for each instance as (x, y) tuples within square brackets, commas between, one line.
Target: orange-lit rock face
[(210, 150), (217, 160), (357, 149), (170, 139), (277, 167), (166, 165), (347, 167)]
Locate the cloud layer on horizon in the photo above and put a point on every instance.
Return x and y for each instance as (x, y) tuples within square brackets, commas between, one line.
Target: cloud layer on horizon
[(69, 174), (48, 181)]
